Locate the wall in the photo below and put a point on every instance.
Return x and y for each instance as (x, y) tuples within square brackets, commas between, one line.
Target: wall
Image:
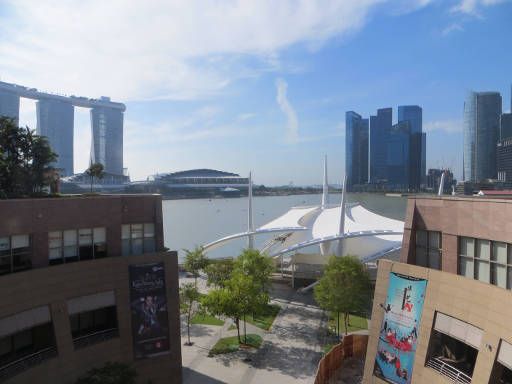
[(479, 304), (473, 217), (37, 217), (54, 285)]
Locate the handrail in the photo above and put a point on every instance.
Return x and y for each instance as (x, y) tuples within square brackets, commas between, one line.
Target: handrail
[(448, 370), (27, 361), (94, 334), (95, 337)]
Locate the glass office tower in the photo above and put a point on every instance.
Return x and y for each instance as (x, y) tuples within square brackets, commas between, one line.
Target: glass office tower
[(107, 138), (482, 112), (413, 114), (55, 120), (9, 105), (398, 149), (356, 149), (380, 126)]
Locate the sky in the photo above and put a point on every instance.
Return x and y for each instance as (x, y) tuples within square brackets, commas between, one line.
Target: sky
[(258, 85)]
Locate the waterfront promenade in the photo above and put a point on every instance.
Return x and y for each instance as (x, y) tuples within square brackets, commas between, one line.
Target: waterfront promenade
[(290, 351)]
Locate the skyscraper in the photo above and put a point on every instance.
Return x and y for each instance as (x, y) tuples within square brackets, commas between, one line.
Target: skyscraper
[(398, 150), (107, 144), (380, 126), (506, 126), (482, 111), (413, 114), (9, 105), (55, 120), (356, 149)]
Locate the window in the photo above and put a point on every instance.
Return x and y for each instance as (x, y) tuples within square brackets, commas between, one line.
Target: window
[(428, 249), (94, 326), (25, 343), (15, 253), (485, 260), (73, 245), (502, 369), (138, 238)]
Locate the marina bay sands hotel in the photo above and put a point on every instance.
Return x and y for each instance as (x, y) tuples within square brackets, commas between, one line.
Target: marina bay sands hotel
[(55, 120)]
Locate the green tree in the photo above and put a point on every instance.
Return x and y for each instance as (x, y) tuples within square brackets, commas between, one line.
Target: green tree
[(189, 304), (218, 272), (110, 373), (195, 261), (95, 171), (259, 266), (344, 288), (25, 160)]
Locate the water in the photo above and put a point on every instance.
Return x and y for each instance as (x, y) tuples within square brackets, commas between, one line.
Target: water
[(188, 223)]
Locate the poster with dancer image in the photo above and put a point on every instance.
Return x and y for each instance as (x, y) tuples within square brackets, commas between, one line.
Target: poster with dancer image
[(399, 330), (150, 329)]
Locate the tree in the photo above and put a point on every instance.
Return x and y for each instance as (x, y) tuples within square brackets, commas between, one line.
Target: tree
[(218, 272), (195, 261), (25, 160), (259, 266), (344, 288), (95, 171), (189, 301), (110, 373), (245, 291)]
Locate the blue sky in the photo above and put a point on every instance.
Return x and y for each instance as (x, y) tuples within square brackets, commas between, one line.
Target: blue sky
[(259, 85)]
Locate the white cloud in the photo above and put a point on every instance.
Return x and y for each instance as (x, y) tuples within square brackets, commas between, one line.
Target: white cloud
[(471, 7), (160, 48), (448, 126), (292, 123), (455, 27)]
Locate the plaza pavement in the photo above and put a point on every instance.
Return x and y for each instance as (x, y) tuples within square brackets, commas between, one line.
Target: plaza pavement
[(289, 354)]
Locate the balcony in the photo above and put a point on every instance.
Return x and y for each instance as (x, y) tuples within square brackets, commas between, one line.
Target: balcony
[(96, 337), (448, 370), (26, 362)]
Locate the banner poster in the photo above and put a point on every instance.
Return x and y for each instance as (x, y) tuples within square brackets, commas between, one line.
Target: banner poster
[(398, 335), (150, 330)]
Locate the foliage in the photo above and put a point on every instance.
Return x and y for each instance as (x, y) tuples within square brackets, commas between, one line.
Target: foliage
[(263, 319), (231, 344), (110, 373), (25, 160), (245, 292), (206, 319), (355, 323), (252, 263), (344, 287), (189, 304), (195, 261), (95, 171), (218, 272)]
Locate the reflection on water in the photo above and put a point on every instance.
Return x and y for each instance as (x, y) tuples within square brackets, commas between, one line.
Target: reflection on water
[(188, 223)]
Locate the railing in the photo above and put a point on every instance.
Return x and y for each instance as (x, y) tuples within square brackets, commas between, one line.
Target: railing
[(448, 370), (18, 366), (96, 337)]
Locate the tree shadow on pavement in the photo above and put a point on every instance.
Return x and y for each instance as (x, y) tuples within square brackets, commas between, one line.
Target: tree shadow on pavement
[(193, 377)]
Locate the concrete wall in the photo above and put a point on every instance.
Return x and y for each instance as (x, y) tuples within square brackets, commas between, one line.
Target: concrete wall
[(482, 305), (53, 286), (37, 217), (473, 217)]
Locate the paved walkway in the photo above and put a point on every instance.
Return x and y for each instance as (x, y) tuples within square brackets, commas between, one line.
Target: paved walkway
[(289, 354)]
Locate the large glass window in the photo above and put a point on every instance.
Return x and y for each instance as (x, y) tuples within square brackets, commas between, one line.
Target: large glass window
[(485, 260), (138, 238), (93, 326), (76, 244), (15, 253), (428, 249)]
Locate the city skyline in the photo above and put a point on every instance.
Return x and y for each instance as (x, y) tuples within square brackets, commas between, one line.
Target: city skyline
[(252, 97)]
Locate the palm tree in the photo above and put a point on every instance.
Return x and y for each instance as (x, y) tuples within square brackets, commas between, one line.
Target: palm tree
[(95, 170)]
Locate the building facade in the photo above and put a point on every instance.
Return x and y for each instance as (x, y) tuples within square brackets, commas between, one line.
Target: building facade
[(504, 160), (460, 249), (482, 111), (71, 271), (434, 180), (380, 127), (413, 114), (506, 126), (398, 152), (55, 119), (356, 149)]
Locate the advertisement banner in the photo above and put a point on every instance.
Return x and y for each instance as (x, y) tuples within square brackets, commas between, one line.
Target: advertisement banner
[(399, 331), (150, 330)]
